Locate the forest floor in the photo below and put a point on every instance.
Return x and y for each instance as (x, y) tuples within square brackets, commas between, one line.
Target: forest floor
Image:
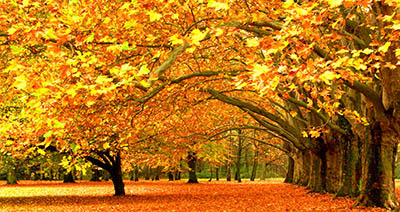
[(269, 195)]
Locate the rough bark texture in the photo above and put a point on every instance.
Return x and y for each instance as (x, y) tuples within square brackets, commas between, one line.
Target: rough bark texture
[(69, 177), (228, 172), (255, 165), (290, 170), (378, 158), (12, 176), (191, 160)]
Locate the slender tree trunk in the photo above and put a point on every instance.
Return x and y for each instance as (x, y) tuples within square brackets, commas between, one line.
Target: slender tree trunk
[(255, 165), (211, 174), (378, 156), (217, 173), (177, 175), (228, 172), (147, 173), (191, 160), (136, 173), (238, 158)]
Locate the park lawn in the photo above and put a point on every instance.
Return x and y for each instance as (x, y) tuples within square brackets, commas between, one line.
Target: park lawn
[(269, 195)]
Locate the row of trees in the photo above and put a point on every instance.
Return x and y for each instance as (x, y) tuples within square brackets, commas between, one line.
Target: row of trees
[(144, 82)]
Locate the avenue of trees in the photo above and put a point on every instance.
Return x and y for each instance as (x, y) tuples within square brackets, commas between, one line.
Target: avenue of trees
[(124, 84)]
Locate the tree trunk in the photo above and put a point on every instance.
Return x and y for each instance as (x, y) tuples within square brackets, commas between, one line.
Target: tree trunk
[(290, 170), (177, 175), (378, 156), (147, 173), (238, 158), (211, 174), (116, 176), (228, 172), (191, 160), (255, 165), (68, 177), (217, 173), (170, 176), (12, 175), (350, 166), (136, 173)]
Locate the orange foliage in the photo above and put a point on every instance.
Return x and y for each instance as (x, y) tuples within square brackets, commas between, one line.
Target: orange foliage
[(271, 195)]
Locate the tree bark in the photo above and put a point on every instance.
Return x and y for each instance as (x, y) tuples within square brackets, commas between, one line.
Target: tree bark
[(290, 170), (217, 173), (191, 160), (228, 172), (378, 156), (116, 176), (68, 177), (255, 165), (170, 176), (12, 175), (238, 158)]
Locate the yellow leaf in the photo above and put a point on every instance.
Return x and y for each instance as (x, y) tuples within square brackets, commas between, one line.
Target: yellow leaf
[(143, 70), (304, 133), (125, 6), (287, 4), (385, 47), (196, 36), (20, 82), (154, 16), (103, 79), (219, 32), (11, 31), (106, 145), (396, 26), (217, 5), (367, 51), (314, 133), (175, 40), (252, 42), (107, 20), (41, 151), (335, 3), (328, 76)]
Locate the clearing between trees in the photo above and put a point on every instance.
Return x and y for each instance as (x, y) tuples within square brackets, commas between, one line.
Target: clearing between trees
[(269, 195)]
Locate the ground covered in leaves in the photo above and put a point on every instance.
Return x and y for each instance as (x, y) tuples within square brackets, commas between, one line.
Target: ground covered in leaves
[(270, 195)]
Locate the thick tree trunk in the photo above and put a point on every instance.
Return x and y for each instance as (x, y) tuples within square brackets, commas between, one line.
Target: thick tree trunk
[(170, 176), (290, 170), (378, 156), (12, 176), (305, 158), (69, 177), (317, 181), (112, 164), (350, 167), (191, 160), (116, 176)]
